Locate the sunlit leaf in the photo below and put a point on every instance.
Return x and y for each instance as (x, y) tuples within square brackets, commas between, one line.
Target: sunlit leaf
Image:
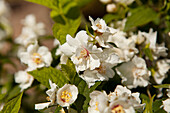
[(48, 73), (140, 16), (162, 86), (13, 105)]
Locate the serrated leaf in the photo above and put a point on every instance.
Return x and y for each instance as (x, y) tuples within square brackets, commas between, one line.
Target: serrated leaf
[(60, 30), (13, 105), (52, 4), (43, 75), (69, 70), (140, 16), (162, 86)]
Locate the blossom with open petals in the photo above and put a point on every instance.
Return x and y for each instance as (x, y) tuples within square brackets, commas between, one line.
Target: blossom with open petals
[(67, 95), (108, 59), (123, 100), (163, 67), (134, 73), (98, 102), (82, 53), (99, 25), (36, 57), (24, 79)]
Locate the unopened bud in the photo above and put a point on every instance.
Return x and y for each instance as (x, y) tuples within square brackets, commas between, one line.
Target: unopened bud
[(111, 8), (105, 1)]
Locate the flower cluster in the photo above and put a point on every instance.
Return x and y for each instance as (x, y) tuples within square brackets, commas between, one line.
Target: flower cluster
[(30, 52), (119, 101), (95, 55)]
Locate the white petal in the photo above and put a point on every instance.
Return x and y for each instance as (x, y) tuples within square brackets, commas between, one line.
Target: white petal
[(42, 105)]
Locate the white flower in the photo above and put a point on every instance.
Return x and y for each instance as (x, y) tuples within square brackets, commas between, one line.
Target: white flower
[(56, 42), (24, 79), (30, 22), (99, 25), (127, 2), (125, 47), (111, 8), (120, 24), (104, 71), (134, 73), (139, 38), (157, 50), (120, 106), (81, 52), (51, 97), (26, 37), (67, 95), (166, 103), (98, 102), (122, 99), (163, 67), (36, 57), (105, 1)]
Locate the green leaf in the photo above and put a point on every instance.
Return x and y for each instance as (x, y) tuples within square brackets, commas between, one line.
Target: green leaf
[(82, 3), (52, 4), (85, 90), (144, 97), (2, 96), (148, 52), (109, 17), (156, 105), (48, 73), (140, 16), (13, 105), (162, 86), (14, 92), (69, 70), (60, 30), (149, 105), (57, 110)]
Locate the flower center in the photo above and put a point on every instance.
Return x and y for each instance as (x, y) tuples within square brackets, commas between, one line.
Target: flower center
[(117, 109), (137, 71), (97, 109), (99, 26), (101, 69), (66, 96), (37, 58), (84, 53)]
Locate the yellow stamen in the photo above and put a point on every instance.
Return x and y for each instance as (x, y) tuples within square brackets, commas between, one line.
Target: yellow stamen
[(37, 58), (99, 26), (66, 96), (97, 109), (101, 69)]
